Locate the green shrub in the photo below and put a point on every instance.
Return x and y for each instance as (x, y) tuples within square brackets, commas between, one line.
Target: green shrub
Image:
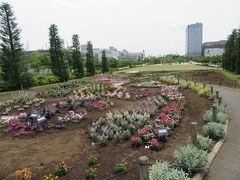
[(222, 117), (203, 143), (91, 173), (93, 159), (162, 171), (190, 159), (120, 167), (214, 130), (223, 107), (72, 76), (198, 89), (45, 79)]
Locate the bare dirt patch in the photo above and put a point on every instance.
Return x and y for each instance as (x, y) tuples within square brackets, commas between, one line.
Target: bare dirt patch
[(43, 151)]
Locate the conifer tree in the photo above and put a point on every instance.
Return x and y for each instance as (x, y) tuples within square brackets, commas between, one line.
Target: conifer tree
[(76, 55), (58, 64), (90, 65), (237, 52), (105, 65), (13, 63), (230, 55)]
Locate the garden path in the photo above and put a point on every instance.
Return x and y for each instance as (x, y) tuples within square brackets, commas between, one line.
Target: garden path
[(226, 166)]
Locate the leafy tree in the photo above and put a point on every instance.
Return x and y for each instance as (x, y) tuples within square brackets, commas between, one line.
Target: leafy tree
[(114, 63), (90, 65), (76, 55), (58, 64), (105, 65), (14, 66), (39, 60), (68, 58)]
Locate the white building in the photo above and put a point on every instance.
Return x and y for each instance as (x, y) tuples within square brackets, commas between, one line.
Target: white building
[(215, 48), (112, 52)]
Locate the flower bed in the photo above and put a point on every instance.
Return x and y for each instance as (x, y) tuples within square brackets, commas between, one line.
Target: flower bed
[(151, 84), (27, 124)]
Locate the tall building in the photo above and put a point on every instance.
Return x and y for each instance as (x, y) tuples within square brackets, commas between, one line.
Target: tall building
[(194, 34)]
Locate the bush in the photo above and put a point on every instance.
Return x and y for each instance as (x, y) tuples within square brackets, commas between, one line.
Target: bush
[(91, 173), (45, 79), (223, 107), (93, 159), (120, 167), (214, 130), (198, 88), (203, 143), (190, 159), (222, 117), (161, 171)]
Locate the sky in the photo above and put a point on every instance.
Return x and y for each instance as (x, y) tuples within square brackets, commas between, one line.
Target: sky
[(156, 26)]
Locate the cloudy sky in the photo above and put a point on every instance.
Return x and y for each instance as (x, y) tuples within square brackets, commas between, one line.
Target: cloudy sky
[(156, 26)]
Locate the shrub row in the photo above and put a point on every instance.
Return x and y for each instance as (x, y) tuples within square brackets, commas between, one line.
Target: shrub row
[(198, 88), (191, 159)]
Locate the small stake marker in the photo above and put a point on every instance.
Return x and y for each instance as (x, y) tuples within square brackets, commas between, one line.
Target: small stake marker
[(194, 133), (214, 113)]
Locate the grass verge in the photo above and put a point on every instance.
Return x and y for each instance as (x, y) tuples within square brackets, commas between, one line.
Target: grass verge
[(167, 68)]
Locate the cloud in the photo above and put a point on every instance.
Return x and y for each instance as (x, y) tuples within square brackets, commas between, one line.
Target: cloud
[(65, 3)]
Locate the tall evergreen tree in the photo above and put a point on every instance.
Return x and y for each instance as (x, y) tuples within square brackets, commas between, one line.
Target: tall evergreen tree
[(105, 65), (76, 54), (230, 55), (58, 64), (237, 52), (13, 62), (90, 65)]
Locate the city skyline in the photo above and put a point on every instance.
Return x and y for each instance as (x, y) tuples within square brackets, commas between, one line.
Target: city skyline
[(153, 26)]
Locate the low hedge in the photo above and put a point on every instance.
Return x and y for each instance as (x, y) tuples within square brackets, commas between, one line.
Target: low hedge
[(45, 79)]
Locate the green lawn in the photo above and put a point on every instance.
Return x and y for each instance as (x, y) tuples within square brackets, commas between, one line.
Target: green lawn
[(230, 75), (167, 68)]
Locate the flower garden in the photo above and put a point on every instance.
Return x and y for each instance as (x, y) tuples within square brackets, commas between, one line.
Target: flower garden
[(99, 126)]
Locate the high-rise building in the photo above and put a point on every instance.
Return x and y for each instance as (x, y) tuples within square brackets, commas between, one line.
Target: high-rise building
[(194, 34)]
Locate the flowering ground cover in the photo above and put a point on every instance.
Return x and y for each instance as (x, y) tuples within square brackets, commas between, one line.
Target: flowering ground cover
[(127, 129)]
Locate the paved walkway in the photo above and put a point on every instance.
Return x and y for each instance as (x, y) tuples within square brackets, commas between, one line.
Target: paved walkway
[(226, 165)]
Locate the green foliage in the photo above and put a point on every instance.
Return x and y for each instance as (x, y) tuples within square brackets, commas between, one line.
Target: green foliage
[(39, 60), (61, 169), (203, 143), (172, 81), (76, 56), (45, 79), (208, 60), (120, 167), (222, 114), (214, 130), (91, 173), (231, 57), (90, 65), (93, 159), (105, 65), (13, 63), (58, 64), (198, 88), (162, 171), (190, 159)]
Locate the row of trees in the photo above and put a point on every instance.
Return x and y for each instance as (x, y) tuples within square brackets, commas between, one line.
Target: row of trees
[(14, 64), (231, 57)]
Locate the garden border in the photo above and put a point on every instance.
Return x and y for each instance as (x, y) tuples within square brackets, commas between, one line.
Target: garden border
[(212, 156)]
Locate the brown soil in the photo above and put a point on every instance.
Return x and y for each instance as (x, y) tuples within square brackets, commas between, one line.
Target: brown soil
[(43, 151), (208, 77)]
